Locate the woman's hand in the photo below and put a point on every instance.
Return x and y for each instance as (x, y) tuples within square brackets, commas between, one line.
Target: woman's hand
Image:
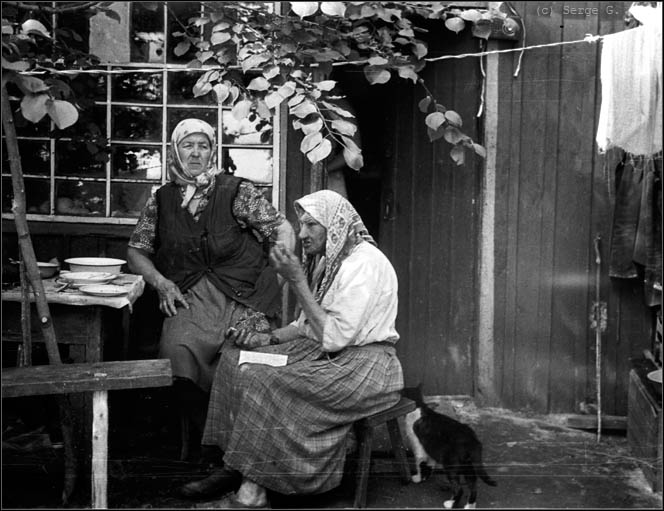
[(248, 339), (286, 263), (169, 295)]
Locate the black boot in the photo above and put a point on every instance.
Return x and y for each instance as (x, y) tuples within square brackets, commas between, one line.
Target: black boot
[(219, 482)]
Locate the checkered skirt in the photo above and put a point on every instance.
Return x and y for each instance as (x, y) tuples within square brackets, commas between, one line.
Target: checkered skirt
[(285, 428)]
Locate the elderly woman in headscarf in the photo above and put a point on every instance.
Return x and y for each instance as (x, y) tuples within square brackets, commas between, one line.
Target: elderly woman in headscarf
[(284, 428), (202, 242)]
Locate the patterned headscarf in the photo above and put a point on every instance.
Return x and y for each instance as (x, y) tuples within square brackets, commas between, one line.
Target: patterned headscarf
[(177, 171), (345, 229)]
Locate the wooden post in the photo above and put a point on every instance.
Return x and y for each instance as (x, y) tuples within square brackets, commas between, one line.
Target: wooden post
[(99, 449), (485, 355), (29, 260)]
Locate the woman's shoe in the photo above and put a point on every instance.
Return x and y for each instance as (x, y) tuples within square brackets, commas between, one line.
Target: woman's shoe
[(220, 481)]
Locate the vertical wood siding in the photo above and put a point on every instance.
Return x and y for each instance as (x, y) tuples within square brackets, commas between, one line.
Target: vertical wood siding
[(553, 196)]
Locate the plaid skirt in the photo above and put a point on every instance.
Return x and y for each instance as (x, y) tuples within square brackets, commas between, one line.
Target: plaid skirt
[(285, 428)]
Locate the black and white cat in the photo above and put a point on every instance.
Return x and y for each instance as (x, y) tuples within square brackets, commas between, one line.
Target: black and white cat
[(440, 441)]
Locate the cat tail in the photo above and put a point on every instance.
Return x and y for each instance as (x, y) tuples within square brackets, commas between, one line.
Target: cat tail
[(480, 470)]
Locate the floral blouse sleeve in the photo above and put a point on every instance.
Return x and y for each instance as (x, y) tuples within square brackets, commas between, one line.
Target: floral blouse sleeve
[(250, 208), (145, 231)]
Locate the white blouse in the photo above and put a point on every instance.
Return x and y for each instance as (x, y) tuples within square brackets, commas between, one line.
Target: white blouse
[(361, 304)]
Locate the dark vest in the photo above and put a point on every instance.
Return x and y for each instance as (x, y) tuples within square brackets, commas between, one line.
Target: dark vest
[(216, 246)]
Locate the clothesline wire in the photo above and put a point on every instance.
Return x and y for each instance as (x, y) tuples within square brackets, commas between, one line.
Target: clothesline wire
[(587, 39)]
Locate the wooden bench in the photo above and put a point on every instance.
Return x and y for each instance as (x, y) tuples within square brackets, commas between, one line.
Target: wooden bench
[(364, 429), (97, 378)]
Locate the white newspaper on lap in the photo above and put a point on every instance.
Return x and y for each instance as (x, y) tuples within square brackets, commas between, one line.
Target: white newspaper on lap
[(256, 357)]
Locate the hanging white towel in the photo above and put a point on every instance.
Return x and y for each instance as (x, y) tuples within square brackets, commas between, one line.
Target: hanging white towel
[(631, 74)]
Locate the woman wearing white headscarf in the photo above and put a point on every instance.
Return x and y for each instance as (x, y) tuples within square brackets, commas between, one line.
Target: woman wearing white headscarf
[(195, 243), (285, 428)]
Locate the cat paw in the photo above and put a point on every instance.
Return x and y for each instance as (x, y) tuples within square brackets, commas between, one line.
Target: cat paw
[(416, 478), (470, 506), (448, 504)]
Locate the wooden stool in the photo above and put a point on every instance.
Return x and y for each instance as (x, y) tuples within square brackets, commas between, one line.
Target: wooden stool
[(364, 430), (97, 378)]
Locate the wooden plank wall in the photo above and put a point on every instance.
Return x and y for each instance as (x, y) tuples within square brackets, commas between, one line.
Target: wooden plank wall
[(553, 197)]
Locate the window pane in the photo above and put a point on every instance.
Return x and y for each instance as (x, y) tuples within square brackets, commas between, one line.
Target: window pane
[(79, 198), (178, 15), (135, 162), (147, 35), (128, 199), (175, 115), (251, 130), (37, 196), (7, 195), (74, 159), (137, 123), (252, 164), (91, 86), (137, 87), (35, 157), (180, 89), (91, 125)]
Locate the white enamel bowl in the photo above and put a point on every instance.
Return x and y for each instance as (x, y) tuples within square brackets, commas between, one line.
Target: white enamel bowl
[(102, 264)]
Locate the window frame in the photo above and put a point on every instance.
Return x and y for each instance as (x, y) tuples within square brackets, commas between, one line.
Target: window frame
[(165, 68)]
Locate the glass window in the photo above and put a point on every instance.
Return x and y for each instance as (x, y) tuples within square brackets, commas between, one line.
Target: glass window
[(136, 123), (128, 199), (180, 89), (136, 162), (35, 157), (175, 115), (107, 164), (251, 130), (137, 87), (75, 159), (253, 164)]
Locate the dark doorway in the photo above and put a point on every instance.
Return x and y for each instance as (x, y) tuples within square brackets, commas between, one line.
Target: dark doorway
[(364, 187)]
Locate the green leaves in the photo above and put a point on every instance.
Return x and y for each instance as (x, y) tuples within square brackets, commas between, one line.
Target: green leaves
[(455, 24), (284, 49), (304, 9), (63, 113), (376, 74), (33, 106)]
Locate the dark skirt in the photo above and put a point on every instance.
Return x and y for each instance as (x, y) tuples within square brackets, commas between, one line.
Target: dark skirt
[(192, 338), (285, 428)]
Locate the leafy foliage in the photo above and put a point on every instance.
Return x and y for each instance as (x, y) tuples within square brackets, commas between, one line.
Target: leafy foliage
[(288, 55), (31, 46), (294, 53)]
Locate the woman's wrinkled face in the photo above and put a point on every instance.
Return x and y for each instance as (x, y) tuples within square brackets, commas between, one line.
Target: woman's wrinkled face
[(195, 152), (312, 235)]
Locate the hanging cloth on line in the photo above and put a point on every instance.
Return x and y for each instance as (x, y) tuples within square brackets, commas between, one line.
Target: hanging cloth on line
[(631, 75)]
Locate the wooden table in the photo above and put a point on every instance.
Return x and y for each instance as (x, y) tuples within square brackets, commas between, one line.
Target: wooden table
[(84, 325), (82, 322)]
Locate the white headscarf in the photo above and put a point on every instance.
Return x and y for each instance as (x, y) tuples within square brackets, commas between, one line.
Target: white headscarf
[(345, 229), (178, 173)]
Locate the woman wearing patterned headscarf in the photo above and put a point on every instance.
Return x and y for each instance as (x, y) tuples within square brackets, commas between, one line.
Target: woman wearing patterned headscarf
[(284, 428), (195, 244)]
